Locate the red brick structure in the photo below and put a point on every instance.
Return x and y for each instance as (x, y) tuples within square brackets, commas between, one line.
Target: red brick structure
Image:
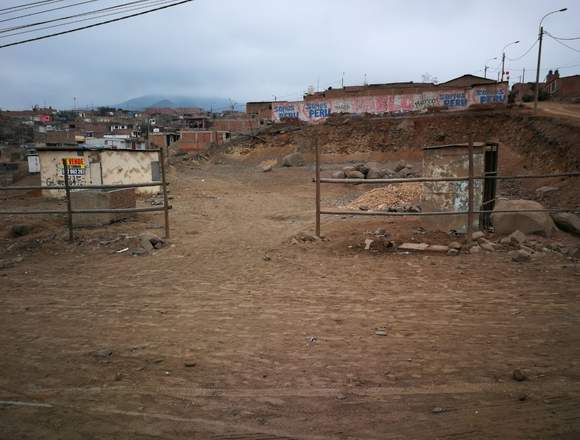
[(562, 87), (237, 125), (261, 110), (200, 140)]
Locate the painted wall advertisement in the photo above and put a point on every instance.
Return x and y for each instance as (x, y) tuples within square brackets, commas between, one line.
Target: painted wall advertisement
[(449, 99)]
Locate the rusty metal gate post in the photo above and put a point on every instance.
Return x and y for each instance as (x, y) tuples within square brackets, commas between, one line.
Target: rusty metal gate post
[(68, 200), (317, 151), (470, 195), (164, 186)]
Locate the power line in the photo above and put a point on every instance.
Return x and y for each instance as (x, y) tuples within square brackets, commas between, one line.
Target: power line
[(48, 10), (525, 53), (94, 25), (563, 44), (13, 9), (82, 14), (562, 38), (125, 10)]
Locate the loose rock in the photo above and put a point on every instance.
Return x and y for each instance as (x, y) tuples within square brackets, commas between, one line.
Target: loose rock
[(293, 160), (103, 354), (517, 238), (542, 191), (354, 174), (413, 246), (438, 248), (518, 375), (20, 230), (455, 245), (520, 256), (477, 235), (486, 245), (400, 166), (362, 168), (568, 222), (475, 249), (526, 222)]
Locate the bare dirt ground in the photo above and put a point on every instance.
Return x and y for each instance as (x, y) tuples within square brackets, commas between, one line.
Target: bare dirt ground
[(232, 332), (564, 110)]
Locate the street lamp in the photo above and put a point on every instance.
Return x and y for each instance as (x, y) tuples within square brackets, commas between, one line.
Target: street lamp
[(503, 57), (540, 37), (485, 67)]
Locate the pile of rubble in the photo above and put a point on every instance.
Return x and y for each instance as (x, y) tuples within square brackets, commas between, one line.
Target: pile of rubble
[(393, 198), (403, 170), (138, 245), (520, 246)]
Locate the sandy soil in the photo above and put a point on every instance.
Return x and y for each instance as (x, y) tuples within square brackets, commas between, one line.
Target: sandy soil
[(232, 332), (564, 110)]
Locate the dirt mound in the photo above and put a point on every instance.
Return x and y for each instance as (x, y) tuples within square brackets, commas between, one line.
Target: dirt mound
[(395, 196)]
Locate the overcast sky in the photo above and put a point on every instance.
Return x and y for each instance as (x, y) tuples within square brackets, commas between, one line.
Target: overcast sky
[(255, 49)]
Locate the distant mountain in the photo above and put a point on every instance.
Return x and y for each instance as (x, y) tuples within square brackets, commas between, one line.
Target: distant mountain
[(143, 102)]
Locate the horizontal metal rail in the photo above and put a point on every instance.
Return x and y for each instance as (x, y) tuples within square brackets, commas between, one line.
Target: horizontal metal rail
[(86, 211), (74, 187), (68, 188), (444, 179), (417, 214)]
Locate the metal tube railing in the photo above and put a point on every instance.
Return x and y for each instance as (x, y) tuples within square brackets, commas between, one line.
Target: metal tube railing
[(75, 187), (469, 213), (69, 212)]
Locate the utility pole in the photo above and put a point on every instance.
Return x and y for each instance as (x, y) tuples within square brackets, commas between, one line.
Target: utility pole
[(541, 37), (524, 75), (486, 67), (537, 94), (503, 57), (342, 80), (502, 65)]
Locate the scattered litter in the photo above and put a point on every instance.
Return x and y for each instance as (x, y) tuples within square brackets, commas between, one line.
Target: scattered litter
[(120, 251), (381, 331)]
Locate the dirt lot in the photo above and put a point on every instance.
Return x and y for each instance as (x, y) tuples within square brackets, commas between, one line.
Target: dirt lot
[(234, 332)]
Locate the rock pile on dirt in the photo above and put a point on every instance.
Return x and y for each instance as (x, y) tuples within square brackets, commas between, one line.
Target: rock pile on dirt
[(364, 171), (143, 244), (395, 198)]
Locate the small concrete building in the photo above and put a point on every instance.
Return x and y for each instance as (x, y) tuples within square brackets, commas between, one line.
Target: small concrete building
[(102, 166), (453, 161)]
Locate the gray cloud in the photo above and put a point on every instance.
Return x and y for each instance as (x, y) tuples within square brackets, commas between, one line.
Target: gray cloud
[(254, 49)]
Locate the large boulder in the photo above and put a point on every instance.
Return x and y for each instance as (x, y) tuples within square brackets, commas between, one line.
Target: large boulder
[(401, 165), (527, 222), (375, 173), (361, 167), (568, 222), (354, 174), (293, 160)]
